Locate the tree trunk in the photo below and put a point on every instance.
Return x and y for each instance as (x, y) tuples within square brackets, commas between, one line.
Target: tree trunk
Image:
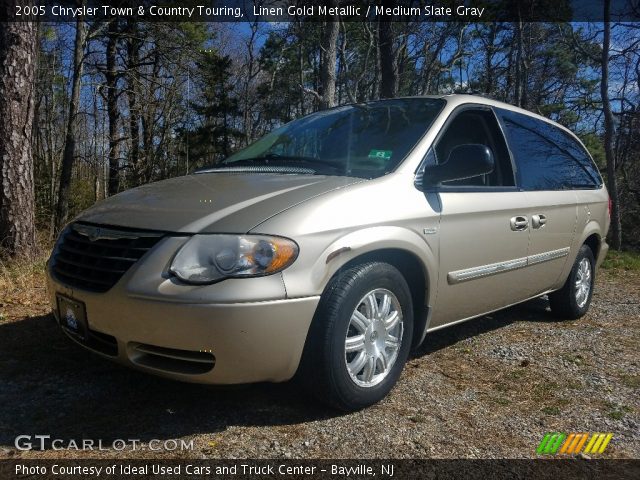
[(612, 184), (18, 57), (300, 54), (148, 126), (519, 80), (133, 80), (111, 79), (388, 61), (328, 51), (68, 157), (247, 110), (489, 85), (301, 78)]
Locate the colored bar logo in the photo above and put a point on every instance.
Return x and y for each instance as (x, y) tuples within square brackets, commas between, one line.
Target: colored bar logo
[(572, 443)]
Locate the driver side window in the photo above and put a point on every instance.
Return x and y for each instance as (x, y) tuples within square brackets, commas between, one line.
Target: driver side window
[(477, 126)]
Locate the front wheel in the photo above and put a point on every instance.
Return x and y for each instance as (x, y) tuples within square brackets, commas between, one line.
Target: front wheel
[(360, 337), (573, 299)]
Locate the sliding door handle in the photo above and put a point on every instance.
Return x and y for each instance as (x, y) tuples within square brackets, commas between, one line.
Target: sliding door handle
[(538, 221), (519, 223)]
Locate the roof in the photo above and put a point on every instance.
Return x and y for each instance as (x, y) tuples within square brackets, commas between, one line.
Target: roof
[(463, 98)]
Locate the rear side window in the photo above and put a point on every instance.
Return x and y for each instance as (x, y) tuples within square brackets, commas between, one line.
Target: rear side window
[(547, 157)]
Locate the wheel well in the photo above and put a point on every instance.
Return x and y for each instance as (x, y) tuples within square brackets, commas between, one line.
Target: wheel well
[(593, 242), (412, 269)]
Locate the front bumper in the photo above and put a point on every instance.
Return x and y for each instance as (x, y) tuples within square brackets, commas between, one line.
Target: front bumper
[(249, 341)]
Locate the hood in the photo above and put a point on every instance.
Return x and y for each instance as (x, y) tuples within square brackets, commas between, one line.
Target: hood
[(210, 202)]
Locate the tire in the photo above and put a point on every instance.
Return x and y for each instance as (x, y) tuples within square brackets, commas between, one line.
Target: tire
[(573, 299), (335, 376)]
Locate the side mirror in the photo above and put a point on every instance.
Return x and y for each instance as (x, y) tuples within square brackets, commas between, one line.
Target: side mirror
[(465, 161)]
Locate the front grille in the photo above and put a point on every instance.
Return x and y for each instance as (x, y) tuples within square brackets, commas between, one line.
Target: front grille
[(94, 258)]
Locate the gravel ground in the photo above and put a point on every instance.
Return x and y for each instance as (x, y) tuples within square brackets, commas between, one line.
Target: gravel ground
[(489, 388)]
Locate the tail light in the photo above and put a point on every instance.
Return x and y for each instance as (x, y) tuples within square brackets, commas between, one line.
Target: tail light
[(610, 206)]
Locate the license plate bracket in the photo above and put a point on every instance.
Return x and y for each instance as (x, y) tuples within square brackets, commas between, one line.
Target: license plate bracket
[(72, 315)]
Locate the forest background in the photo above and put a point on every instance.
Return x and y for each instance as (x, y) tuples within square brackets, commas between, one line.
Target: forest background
[(120, 103)]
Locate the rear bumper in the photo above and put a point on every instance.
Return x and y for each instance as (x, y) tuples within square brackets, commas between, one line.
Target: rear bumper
[(217, 343)]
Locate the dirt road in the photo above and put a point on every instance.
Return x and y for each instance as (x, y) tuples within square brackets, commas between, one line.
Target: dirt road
[(490, 388)]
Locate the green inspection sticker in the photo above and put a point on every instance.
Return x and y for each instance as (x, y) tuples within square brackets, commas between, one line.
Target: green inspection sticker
[(381, 154)]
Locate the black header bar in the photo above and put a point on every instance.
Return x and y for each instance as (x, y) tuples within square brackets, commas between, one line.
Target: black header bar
[(186, 469), (320, 11)]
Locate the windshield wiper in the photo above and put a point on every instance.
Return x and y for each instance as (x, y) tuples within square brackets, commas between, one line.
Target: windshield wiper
[(257, 169), (273, 159)]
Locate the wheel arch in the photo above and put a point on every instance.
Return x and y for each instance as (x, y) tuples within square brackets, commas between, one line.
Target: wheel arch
[(413, 255), (591, 237), (593, 241), (414, 271)]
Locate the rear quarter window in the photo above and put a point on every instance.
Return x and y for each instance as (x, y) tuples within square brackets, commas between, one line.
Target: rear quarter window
[(547, 157)]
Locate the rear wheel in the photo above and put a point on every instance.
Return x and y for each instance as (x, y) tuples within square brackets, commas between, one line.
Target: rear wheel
[(360, 337), (573, 299)]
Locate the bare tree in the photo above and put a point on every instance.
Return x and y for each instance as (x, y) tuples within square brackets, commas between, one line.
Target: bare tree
[(133, 84), (328, 52), (68, 157), (251, 71), (612, 184), (111, 80), (18, 58), (520, 72), (138, 125), (388, 61)]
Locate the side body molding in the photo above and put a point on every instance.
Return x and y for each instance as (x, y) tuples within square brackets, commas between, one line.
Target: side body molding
[(492, 269)]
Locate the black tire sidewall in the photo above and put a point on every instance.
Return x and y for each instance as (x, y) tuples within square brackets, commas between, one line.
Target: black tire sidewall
[(585, 252), (374, 276)]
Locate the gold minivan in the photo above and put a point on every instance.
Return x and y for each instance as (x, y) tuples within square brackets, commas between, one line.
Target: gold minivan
[(330, 247)]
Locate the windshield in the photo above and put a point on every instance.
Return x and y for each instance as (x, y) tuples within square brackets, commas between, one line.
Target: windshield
[(362, 140)]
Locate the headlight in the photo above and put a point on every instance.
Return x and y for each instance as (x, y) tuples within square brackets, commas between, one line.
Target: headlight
[(209, 258)]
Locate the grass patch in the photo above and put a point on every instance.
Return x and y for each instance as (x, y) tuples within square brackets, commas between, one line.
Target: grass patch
[(574, 385), (418, 419), (631, 381), (19, 278), (556, 408), (501, 387), (622, 260), (575, 359), (515, 374), (553, 410), (544, 390), (20, 273), (617, 412)]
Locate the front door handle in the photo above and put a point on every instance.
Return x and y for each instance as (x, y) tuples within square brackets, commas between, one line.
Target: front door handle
[(519, 223), (538, 221)]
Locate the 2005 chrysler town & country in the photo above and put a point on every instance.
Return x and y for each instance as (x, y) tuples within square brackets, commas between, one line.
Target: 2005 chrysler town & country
[(331, 246)]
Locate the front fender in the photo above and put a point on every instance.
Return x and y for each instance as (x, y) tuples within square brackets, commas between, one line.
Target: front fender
[(314, 279)]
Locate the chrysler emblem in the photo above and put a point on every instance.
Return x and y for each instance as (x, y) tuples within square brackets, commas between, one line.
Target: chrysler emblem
[(99, 233), (95, 235)]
